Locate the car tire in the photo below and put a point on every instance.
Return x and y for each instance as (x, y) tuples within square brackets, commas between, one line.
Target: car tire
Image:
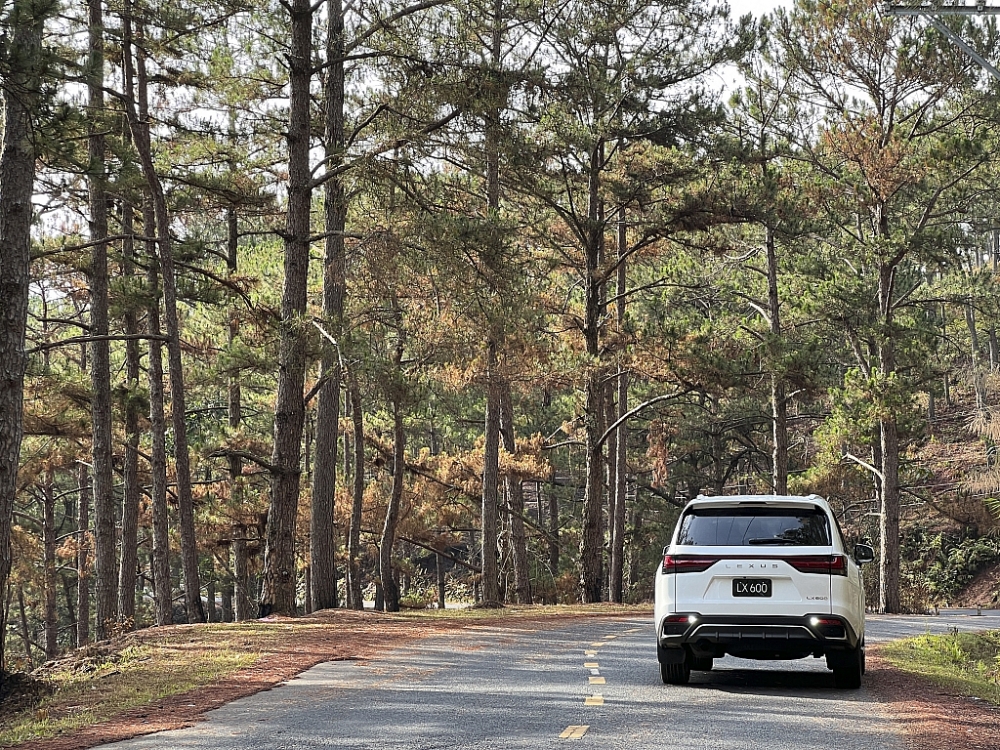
[(847, 672), (675, 674), (702, 663)]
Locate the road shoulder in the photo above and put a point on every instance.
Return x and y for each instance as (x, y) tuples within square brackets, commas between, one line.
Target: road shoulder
[(929, 718)]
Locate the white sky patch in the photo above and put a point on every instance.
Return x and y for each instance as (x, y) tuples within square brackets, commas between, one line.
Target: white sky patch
[(756, 7)]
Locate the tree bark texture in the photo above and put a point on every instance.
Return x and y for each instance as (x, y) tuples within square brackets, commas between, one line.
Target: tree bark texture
[(185, 501), (390, 591), (241, 583), (491, 481), (17, 179), (279, 579), (619, 443), (592, 534), (129, 559), (515, 499), (49, 562), (322, 550), (136, 80), (779, 405), (83, 558), (355, 600), (105, 572), (889, 518)]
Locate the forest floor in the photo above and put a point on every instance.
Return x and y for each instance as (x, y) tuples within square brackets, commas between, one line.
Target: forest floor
[(281, 648)]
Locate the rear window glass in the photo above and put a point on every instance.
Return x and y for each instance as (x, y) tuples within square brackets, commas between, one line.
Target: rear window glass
[(737, 527)]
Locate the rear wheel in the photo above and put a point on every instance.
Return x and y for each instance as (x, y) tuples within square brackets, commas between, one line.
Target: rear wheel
[(847, 671), (702, 663), (676, 674)]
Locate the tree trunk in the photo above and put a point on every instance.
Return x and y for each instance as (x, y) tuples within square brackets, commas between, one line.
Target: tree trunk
[(356, 600), (83, 559), (390, 591), (185, 501), (978, 379), (17, 178), (279, 579), (129, 560), (106, 594), (779, 404), (592, 533), (619, 444), (50, 578), (162, 587), (553, 539), (241, 575), (491, 480), (515, 499), (322, 553), (440, 581), (889, 517), (25, 632), (211, 612), (240, 585)]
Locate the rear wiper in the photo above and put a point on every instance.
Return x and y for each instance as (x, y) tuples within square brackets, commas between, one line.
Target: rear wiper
[(769, 540)]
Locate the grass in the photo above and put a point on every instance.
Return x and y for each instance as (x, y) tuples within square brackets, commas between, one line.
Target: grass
[(99, 683), (963, 663)]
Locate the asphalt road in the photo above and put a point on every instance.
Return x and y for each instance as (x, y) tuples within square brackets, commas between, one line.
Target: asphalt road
[(592, 683)]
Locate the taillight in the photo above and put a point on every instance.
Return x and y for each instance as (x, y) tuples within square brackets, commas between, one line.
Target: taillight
[(829, 627), (677, 624), (687, 563), (834, 565)]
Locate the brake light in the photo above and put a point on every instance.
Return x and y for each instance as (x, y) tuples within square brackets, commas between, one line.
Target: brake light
[(834, 565), (687, 563)]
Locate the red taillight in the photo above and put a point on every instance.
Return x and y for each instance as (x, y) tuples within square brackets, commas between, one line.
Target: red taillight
[(687, 563), (673, 619), (834, 565)]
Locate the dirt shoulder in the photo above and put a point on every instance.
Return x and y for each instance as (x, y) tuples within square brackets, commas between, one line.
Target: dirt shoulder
[(928, 719)]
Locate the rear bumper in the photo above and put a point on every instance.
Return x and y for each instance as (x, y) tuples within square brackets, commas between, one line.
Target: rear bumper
[(755, 637)]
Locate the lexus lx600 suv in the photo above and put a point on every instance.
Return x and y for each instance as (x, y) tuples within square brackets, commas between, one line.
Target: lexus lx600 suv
[(760, 577)]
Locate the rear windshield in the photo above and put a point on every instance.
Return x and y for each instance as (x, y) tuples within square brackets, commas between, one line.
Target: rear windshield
[(737, 527)]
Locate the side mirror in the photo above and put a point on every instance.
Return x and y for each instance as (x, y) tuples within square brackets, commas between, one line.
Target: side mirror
[(863, 553)]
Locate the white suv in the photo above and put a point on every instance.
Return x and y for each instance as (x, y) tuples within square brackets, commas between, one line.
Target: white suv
[(760, 577)]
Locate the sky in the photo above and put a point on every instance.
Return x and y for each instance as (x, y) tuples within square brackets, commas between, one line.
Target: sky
[(757, 7)]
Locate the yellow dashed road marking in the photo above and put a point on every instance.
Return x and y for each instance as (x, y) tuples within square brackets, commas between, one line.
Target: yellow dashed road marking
[(574, 732), (590, 653), (591, 664), (597, 645), (610, 637), (596, 680), (594, 700)]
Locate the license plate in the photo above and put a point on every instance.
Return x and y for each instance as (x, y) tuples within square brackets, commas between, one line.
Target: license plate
[(751, 587)]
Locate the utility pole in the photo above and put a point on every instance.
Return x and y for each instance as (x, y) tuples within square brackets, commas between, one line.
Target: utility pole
[(933, 10)]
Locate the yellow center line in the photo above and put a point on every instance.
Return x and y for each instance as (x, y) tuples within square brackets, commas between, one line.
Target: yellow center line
[(574, 732), (597, 645), (590, 653), (594, 700), (596, 680), (610, 637), (591, 664)]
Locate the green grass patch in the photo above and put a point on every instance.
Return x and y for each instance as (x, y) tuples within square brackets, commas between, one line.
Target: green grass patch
[(963, 663), (94, 686)]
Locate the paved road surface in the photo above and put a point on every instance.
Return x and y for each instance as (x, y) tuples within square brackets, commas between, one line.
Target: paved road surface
[(588, 684)]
